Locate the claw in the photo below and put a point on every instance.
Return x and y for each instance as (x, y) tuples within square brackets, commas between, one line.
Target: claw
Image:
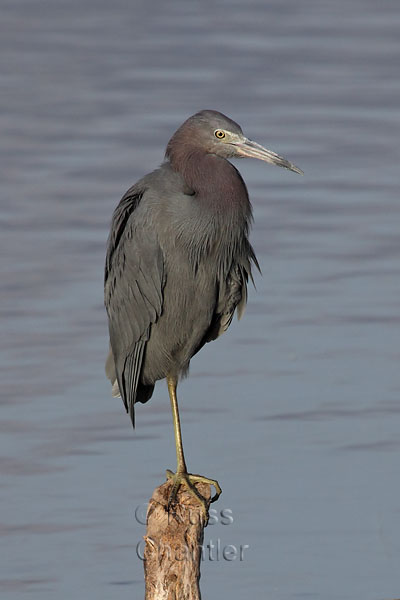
[(188, 480)]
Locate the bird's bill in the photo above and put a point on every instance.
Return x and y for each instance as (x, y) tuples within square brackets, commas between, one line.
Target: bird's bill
[(251, 149)]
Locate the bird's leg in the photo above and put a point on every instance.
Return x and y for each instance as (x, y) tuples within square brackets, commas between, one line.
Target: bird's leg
[(182, 477)]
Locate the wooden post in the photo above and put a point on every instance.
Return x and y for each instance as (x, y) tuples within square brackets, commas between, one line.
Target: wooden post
[(174, 545)]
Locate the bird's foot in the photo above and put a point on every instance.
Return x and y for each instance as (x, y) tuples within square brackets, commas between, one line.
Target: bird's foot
[(188, 480)]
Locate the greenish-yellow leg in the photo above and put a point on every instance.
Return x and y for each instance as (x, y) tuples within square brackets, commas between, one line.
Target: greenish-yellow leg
[(182, 477)]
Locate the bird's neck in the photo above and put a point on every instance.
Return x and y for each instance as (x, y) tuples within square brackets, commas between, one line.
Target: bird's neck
[(214, 181), (217, 215)]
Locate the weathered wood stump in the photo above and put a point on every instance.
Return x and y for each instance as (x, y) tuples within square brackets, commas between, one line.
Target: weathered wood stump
[(174, 545)]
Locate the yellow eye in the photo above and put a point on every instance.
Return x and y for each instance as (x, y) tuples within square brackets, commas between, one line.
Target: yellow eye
[(219, 134)]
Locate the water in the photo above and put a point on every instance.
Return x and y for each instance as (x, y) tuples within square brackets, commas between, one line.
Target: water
[(296, 410)]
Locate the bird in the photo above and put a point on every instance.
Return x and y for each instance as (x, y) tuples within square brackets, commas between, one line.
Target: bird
[(178, 261)]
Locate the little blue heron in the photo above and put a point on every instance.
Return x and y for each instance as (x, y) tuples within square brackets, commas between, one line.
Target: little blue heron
[(177, 265)]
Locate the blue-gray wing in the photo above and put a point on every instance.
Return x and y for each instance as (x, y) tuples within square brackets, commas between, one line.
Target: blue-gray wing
[(232, 295), (133, 291)]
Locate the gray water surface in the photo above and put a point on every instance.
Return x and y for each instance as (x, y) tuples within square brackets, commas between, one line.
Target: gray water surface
[(296, 409)]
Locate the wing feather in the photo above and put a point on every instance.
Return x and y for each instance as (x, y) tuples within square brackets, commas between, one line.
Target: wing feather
[(231, 295), (133, 291)]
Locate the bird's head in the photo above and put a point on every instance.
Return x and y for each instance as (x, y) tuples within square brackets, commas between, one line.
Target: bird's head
[(214, 133)]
